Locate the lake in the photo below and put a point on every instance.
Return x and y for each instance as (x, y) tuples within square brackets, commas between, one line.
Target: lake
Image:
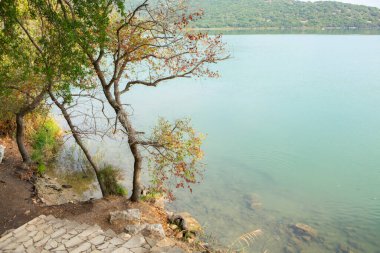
[(292, 124)]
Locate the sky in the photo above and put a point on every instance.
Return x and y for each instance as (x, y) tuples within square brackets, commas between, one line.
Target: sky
[(375, 3)]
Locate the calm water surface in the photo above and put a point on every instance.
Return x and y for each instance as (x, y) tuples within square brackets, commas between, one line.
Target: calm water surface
[(294, 124)]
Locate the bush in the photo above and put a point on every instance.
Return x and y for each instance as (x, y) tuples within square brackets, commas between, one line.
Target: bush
[(110, 177), (45, 141)]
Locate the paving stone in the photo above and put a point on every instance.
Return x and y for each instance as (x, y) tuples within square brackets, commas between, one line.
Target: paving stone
[(122, 250), (58, 233), (23, 238), (135, 242), (48, 234), (10, 246), (73, 242), (82, 248), (49, 230), (51, 244), (139, 250), (116, 241), (60, 248), (19, 249), (103, 246), (38, 236), (42, 242), (97, 240), (31, 249), (28, 243), (31, 227)]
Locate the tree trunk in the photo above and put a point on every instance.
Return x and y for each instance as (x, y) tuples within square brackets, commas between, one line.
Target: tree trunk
[(136, 173), (132, 141), (79, 141), (20, 127), (20, 138)]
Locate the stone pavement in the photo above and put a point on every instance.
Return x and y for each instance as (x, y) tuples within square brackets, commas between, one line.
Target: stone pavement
[(49, 234)]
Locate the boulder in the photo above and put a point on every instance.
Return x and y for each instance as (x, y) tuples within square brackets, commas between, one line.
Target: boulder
[(186, 222), (130, 215), (154, 231), (2, 151), (134, 229)]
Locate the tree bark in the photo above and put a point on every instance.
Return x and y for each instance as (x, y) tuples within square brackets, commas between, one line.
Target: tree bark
[(79, 141), (20, 138), (136, 173), (132, 141)]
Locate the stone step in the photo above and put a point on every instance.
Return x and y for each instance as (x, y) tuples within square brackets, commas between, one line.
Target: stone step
[(49, 234)]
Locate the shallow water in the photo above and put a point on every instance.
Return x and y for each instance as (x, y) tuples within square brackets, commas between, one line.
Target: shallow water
[(294, 121)]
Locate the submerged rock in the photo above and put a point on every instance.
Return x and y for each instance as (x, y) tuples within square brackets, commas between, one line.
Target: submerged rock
[(254, 202), (304, 231), (343, 249)]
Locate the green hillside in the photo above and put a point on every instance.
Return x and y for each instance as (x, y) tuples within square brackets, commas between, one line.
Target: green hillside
[(285, 14)]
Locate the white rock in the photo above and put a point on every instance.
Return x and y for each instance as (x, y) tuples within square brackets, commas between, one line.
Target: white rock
[(134, 229), (133, 215), (155, 231), (2, 151)]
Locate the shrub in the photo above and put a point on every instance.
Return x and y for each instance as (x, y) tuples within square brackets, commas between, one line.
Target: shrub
[(45, 141), (110, 177)]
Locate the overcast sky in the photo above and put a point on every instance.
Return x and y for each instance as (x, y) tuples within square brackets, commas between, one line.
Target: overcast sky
[(375, 3)]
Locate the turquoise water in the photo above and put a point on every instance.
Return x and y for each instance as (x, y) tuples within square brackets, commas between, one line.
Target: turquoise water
[(294, 120)]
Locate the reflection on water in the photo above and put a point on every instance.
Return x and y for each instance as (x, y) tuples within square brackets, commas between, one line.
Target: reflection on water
[(293, 137)]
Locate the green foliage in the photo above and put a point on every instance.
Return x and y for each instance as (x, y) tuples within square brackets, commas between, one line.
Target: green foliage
[(286, 14), (110, 178), (151, 195), (175, 159), (45, 141)]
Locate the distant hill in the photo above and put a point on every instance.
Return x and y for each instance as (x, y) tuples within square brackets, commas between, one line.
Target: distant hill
[(285, 14)]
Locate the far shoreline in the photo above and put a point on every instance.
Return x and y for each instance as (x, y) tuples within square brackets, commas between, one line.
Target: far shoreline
[(282, 30)]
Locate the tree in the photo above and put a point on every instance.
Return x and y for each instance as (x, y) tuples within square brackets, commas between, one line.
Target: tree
[(37, 58), (146, 44), (22, 89)]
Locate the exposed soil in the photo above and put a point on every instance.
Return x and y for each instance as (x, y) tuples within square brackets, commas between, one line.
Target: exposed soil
[(16, 203)]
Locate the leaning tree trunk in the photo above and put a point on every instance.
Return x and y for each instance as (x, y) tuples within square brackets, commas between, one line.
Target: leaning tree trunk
[(20, 138), (20, 127), (79, 141), (132, 142)]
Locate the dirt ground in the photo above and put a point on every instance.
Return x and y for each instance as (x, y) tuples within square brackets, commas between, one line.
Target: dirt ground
[(18, 204)]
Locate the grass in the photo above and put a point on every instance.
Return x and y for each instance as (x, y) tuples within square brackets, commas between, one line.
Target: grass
[(45, 141), (110, 178)]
